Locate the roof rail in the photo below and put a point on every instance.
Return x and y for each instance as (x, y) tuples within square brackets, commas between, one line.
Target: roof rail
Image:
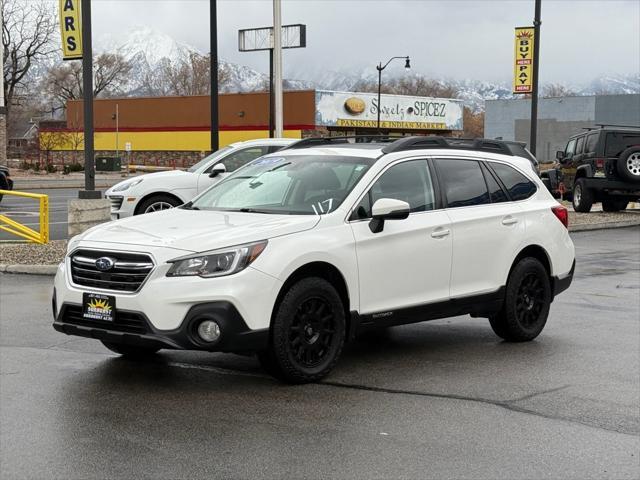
[(318, 141), (419, 143), (602, 125)]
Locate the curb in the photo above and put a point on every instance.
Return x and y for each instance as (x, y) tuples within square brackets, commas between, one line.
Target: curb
[(603, 226), (29, 269)]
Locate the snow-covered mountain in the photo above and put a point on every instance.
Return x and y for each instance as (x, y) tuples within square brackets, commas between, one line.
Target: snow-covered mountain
[(147, 49)]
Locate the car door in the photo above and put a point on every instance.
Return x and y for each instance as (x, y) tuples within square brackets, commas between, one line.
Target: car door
[(232, 161), (487, 228), (408, 263)]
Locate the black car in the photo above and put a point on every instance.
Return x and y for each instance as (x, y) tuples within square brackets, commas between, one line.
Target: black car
[(6, 183), (600, 164)]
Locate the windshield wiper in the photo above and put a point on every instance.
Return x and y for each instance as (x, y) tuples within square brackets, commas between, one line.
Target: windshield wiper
[(253, 210)]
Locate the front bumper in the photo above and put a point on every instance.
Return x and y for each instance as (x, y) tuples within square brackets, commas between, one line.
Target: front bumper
[(133, 328), (122, 206)]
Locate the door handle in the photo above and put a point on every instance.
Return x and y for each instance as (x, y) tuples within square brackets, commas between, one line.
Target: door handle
[(509, 220), (440, 232)]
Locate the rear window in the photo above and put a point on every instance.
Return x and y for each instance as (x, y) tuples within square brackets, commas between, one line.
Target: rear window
[(617, 142), (518, 186), (464, 183)]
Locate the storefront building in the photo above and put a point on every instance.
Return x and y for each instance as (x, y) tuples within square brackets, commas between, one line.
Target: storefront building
[(175, 131)]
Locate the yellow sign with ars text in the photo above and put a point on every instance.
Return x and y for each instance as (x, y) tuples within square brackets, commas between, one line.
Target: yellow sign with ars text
[(523, 61), (71, 29)]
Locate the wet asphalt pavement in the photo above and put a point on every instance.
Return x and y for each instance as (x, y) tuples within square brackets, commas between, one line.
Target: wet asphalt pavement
[(444, 399)]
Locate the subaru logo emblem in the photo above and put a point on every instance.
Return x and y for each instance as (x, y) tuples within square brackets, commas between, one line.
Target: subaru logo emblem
[(104, 263)]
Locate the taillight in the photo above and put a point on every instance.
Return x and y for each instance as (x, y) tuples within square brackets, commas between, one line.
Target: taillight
[(562, 214), (599, 162)]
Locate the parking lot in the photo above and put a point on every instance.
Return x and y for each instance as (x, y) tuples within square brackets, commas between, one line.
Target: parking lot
[(444, 399)]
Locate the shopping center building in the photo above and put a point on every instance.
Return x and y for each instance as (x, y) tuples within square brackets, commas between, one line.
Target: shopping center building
[(175, 131)]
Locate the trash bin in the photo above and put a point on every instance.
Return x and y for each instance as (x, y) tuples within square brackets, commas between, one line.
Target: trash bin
[(108, 164)]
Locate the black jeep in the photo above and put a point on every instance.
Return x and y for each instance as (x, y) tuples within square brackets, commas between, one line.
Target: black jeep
[(598, 165)]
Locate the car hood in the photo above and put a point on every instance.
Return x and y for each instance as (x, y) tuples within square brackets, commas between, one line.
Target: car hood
[(161, 177), (197, 230)]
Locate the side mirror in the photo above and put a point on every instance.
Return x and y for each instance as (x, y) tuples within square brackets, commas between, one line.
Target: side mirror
[(217, 170), (560, 155), (387, 209)]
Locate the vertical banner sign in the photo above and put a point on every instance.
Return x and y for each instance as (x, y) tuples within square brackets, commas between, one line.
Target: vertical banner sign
[(71, 29), (523, 63)]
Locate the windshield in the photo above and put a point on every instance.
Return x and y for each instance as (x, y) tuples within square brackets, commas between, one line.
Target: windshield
[(207, 159), (294, 185)]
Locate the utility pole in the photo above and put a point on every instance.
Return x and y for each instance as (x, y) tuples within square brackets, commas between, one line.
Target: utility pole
[(213, 47), (277, 67), (533, 139), (89, 191)]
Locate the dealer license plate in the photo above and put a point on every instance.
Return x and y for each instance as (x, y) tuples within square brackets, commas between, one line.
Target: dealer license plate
[(98, 307)]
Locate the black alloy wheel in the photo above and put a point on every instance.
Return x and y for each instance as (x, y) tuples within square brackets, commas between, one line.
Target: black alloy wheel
[(307, 332), (311, 332), (527, 302)]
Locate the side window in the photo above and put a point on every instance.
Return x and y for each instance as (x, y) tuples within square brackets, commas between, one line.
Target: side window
[(571, 146), (592, 142), (579, 144), (238, 159), (463, 183), (408, 181), (496, 193), (518, 186)]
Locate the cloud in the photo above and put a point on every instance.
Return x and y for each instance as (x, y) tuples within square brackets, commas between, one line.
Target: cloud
[(456, 38)]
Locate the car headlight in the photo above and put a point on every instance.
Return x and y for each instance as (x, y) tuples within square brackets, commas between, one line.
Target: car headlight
[(121, 187), (216, 263)]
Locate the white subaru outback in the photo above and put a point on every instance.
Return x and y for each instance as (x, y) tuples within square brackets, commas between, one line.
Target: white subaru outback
[(300, 250)]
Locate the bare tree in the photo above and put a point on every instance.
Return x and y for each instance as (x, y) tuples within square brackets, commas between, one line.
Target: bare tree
[(186, 76), (556, 90), (473, 123), (27, 32), (415, 85), (63, 82)]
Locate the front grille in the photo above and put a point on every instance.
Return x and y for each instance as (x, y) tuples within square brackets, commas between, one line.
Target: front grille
[(116, 203), (126, 322), (127, 274)]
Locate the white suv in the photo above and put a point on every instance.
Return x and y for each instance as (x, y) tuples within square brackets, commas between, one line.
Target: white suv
[(162, 190), (300, 250)]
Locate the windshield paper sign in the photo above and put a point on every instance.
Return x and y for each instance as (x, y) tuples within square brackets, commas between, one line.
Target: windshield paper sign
[(360, 110)]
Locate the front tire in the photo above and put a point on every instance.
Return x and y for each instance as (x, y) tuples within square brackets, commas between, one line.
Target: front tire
[(157, 203), (307, 333), (582, 196), (527, 302), (129, 351)]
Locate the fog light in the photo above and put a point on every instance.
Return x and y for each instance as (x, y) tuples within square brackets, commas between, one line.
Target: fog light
[(209, 331)]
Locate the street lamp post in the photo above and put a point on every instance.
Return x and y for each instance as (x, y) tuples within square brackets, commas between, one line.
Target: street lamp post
[(380, 68)]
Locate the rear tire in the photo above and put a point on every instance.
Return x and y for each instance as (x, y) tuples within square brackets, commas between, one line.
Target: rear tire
[(527, 302), (157, 203), (129, 351), (629, 164), (614, 205), (582, 196), (307, 333)]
